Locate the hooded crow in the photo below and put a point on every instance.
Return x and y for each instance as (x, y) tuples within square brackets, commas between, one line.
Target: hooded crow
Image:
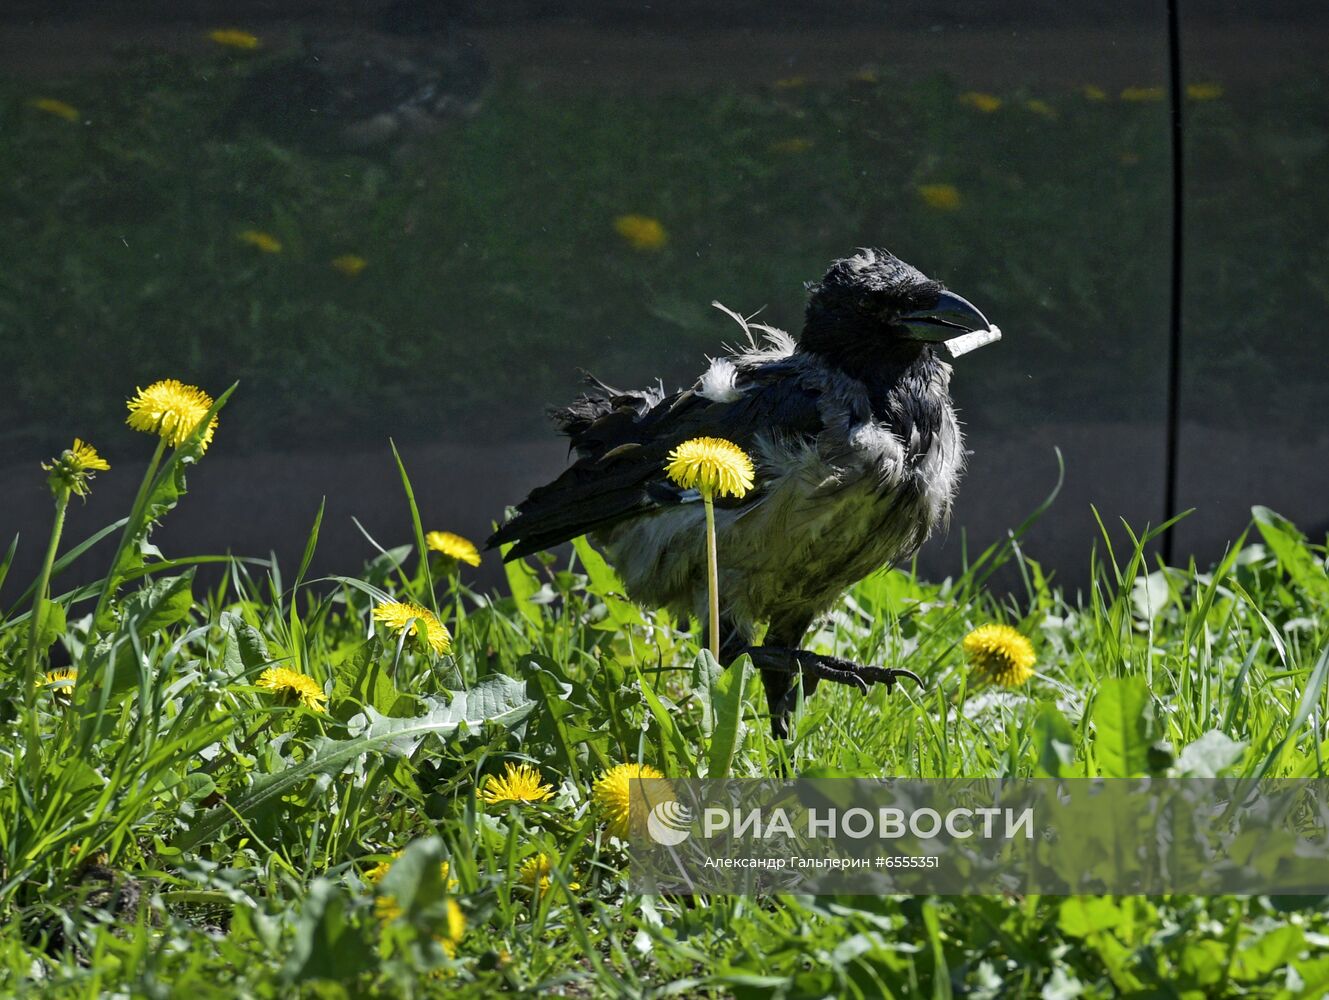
[(857, 454)]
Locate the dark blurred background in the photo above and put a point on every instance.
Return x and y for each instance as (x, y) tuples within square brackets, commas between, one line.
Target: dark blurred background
[(418, 220)]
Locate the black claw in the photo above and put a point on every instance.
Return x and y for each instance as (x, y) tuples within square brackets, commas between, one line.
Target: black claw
[(787, 660), (901, 672), (846, 672), (837, 675), (830, 668), (889, 675)]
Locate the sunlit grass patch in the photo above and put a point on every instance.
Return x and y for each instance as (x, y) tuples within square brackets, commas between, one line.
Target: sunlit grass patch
[(241, 788)]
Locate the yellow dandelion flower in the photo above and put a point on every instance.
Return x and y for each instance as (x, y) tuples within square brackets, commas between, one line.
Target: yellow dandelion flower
[(790, 83), (626, 794), (87, 458), (74, 469), (260, 240), (349, 264), (173, 411), (61, 681), (534, 873), (1000, 654), (713, 466), (234, 38), (1140, 95), (1204, 91), (454, 926), (987, 103), (1093, 93), (375, 875), (399, 615), (641, 231), (519, 783), (54, 106), (795, 145), (453, 546), (288, 683), (1039, 107), (943, 197), (387, 909), (865, 75)]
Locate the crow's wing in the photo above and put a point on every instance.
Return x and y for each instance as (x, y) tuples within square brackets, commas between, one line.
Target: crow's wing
[(624, 440)]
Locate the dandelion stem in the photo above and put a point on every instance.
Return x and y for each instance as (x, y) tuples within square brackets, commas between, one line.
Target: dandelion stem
[(33, 753), (132, 527), (712, 574)]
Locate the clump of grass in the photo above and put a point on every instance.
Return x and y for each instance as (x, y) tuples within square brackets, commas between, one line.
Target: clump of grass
[(250, 790)]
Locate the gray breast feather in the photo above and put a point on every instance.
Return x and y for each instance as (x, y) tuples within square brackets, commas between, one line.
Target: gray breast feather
[(833, 511)]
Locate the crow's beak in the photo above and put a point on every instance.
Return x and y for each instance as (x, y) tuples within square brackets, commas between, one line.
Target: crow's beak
[(953, 322)]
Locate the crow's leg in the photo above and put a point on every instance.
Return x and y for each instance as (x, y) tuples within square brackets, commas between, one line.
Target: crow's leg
[(777, 677), (780, 661), (781, 693)]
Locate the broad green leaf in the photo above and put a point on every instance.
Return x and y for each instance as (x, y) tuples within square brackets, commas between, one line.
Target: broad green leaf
[(1259, 961), (246, 650), (726, 697), (1055, 742), (362, 680), (160, 604), (1210, 755), (79, 776), (524, 585), (415, 879), (1289, 548), (1314, 975), (601, 575), (145, 612), (1080, 916), (199, 785), (706, 673), (51, 624), (1124, 723), (499, 701), (1203, 961), (556, 724), (674, 749), (605, 584), (327, 944)]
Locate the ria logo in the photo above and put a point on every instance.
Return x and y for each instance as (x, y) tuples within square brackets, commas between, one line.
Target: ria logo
[(669, 823)]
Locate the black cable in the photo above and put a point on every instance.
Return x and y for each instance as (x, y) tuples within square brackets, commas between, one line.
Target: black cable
[(1175, 97)]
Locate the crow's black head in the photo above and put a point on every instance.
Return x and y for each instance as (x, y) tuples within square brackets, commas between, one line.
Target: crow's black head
[(875, 305)]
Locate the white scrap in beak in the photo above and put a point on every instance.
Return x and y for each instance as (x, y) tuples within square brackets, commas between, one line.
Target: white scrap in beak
[(972, 341)]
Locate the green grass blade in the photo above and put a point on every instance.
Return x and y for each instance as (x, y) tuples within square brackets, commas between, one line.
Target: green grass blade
[(422, 550)]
